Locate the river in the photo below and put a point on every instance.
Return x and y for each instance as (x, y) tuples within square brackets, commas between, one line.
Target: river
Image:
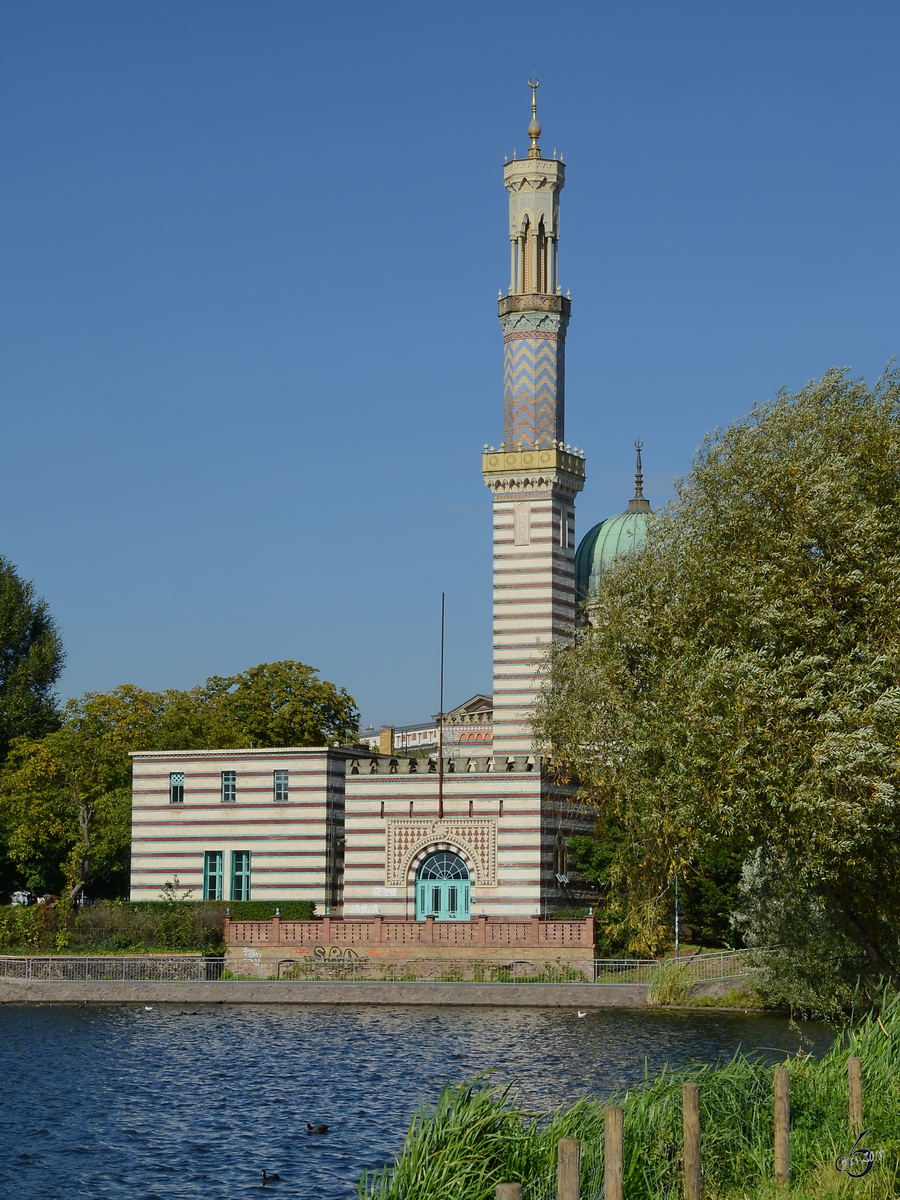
[(173, 1103)]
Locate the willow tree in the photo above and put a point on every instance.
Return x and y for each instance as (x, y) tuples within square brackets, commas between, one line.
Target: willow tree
[(739, 683)]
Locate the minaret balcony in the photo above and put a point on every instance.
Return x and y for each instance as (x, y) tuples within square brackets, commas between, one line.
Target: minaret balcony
[(535, 302)]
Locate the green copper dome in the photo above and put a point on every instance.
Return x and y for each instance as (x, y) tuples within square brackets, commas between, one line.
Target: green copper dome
[(612, 537)]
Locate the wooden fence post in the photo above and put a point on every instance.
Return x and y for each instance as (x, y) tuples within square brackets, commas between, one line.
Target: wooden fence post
[(690, 1099), (782, 1126), (613, 1154), (568, 1169), (509, 1191), (854, 1071)]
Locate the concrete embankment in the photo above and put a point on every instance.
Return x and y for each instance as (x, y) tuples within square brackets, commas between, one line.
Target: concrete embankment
[(531, 995)]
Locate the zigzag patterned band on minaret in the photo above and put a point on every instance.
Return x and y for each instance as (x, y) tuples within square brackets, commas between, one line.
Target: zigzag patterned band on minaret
[(533, 387)]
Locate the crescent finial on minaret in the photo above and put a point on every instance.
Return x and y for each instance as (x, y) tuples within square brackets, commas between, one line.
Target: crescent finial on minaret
[(534, 128)]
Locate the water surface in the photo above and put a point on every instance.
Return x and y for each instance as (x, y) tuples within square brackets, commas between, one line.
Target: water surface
[(123, 1103)]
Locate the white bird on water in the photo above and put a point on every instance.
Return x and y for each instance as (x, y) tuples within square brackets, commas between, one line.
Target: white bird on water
[(582, 1014), (148, 1008)]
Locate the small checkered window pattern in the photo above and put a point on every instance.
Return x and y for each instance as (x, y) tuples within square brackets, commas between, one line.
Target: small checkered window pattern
[(281, 785), (176, 787), (229, 787)]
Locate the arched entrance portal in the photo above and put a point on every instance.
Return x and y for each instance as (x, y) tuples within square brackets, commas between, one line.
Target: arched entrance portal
[(442, 888)]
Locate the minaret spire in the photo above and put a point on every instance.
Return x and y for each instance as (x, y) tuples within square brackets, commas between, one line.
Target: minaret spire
[(638, 503)]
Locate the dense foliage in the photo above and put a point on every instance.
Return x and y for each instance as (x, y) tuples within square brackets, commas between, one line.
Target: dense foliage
[(147, 926), (737, 692), (65, 798), (31, 658), (477, 1136), (286, 704)]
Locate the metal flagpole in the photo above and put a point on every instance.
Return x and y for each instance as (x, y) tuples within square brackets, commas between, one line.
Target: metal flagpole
[(441, 723)]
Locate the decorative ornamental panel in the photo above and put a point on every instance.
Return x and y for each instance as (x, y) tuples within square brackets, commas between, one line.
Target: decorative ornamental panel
[(476, 838)]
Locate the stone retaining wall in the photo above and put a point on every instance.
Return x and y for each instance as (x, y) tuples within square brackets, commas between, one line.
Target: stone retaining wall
[(530, 995)]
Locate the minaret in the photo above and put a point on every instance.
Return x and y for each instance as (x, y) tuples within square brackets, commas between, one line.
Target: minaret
[(534, 477)]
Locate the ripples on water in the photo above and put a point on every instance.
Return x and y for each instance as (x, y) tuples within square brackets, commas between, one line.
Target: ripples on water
[(121, 1103)]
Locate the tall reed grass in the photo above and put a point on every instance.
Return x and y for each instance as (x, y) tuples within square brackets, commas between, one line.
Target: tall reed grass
[(478, 1135)]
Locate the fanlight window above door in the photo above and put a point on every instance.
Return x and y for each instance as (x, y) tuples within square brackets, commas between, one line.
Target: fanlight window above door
[(443, 865)]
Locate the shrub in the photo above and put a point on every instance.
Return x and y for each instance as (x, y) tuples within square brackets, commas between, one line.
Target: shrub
[(135, 927), (264, 910), (670, 984), (30, 930)]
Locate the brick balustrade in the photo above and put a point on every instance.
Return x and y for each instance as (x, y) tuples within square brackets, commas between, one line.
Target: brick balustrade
[(495, 932)]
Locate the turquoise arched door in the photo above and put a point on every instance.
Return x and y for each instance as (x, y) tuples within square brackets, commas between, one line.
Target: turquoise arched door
[(442, 888)]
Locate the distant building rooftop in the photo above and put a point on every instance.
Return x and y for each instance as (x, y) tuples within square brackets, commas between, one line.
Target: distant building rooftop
[(471, 721)]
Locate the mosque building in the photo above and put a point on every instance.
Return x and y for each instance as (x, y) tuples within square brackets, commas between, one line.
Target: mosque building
[(374, 831)]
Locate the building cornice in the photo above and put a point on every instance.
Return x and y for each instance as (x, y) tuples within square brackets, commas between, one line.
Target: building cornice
[(535, 469), (247, 752)]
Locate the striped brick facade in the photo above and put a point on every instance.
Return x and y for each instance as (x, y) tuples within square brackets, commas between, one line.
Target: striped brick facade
[(353, 832), (506, 824), (295, 844), (534, 577)]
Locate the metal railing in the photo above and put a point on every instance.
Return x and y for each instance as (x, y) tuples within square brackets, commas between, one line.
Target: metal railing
[(125, 968), (718, 964), (344, 964)]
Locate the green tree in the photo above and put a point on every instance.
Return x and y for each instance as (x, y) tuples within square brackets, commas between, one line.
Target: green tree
[(65, 799), (738, 687), (286, 704), (31, 658)]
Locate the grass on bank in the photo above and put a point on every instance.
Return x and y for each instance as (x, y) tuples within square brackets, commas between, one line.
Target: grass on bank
[(478, 1136)]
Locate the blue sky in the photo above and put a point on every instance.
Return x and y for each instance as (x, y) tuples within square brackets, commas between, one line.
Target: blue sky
[(250, 254)]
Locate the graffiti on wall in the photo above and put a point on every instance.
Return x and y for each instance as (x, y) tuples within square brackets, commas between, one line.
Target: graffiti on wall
[(337, 954)]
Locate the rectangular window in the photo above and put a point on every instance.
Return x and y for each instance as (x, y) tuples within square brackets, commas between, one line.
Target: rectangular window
[(213, 875), (176, 787), (240, 874), (281, 786), (229, 787)]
